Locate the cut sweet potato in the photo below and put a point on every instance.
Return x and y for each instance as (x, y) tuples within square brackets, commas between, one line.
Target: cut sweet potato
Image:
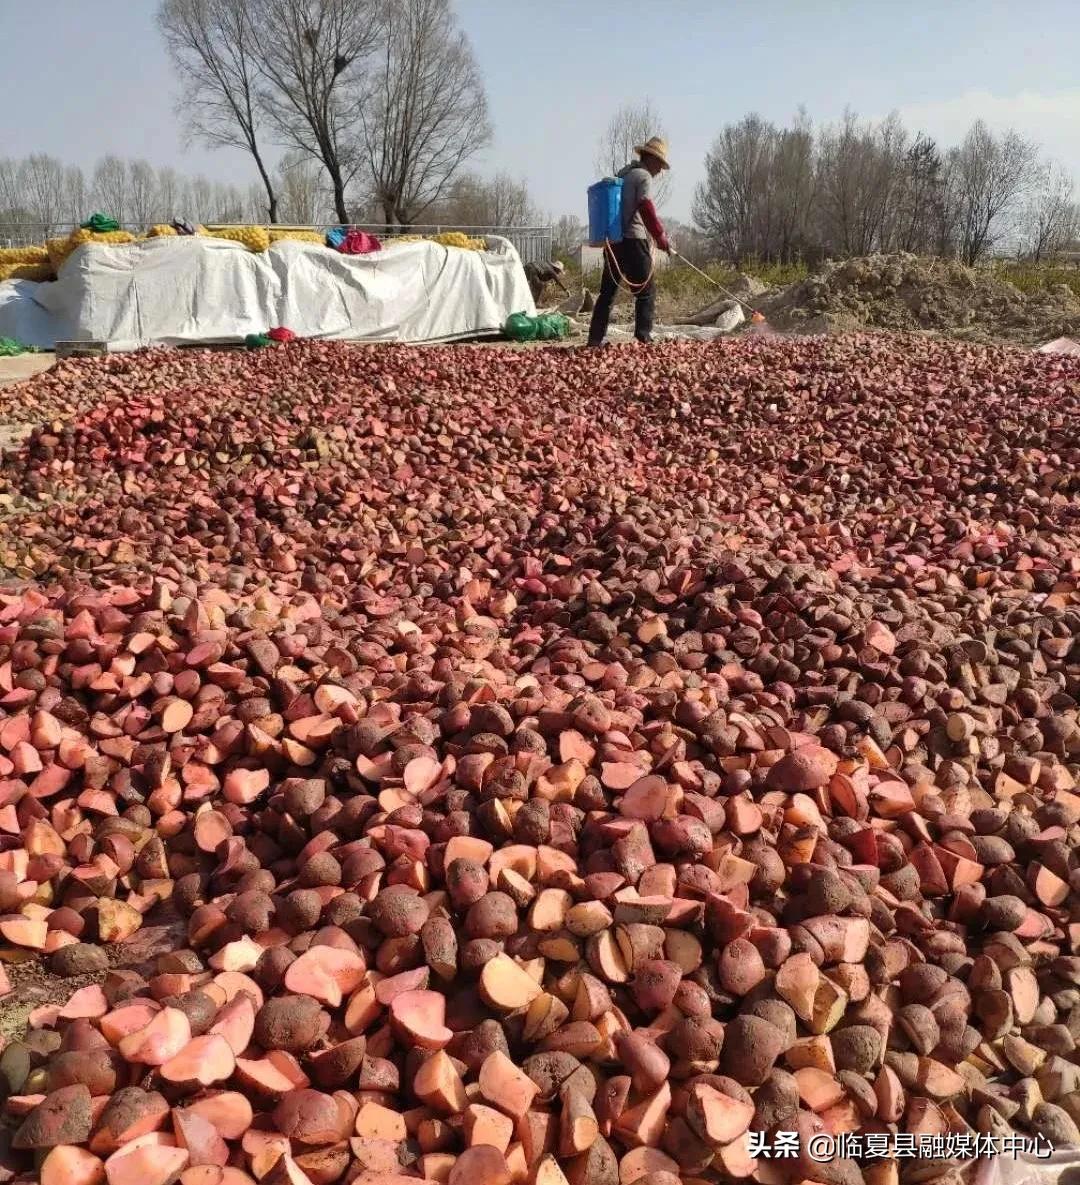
[(200, 1137), (717, 1118), (68, 1165), (236, 1023), (419, 1018), (202, 1062), (505, 985), (273, 1075), (438, 1084), (152, 1164), (163, 1038), (505, 1086), (818, 1089), (326, 973), (228, 1110), (380, 1123), (485, 1125)]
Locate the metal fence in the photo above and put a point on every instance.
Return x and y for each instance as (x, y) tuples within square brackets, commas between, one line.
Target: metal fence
[(532, 243)]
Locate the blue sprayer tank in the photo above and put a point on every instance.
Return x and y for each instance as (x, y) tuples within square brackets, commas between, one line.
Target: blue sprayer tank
[(605, 212)]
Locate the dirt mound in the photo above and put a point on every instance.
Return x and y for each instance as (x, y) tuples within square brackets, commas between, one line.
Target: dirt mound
[(905, 292)]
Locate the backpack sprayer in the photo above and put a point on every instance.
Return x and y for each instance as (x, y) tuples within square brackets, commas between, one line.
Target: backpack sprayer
[(605, 229)]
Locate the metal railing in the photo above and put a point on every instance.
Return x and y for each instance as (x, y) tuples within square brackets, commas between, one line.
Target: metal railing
[(532, 243)]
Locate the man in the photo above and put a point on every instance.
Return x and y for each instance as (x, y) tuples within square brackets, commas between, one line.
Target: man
[(629, 264), (540, 275)]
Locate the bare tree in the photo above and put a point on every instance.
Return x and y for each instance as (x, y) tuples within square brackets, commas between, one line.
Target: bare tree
[(922, 196), (312, 62), (1052, 218), (303, 198), (10, 193), (170, 195), (567, 233), (214, 45), (471, 201), (759, 189), (992, 175), (41, 184), (425, 111), (227, 204), (860, 169), (111, 191), (631, 125), (201, 200), (142, 191), (76, 195)]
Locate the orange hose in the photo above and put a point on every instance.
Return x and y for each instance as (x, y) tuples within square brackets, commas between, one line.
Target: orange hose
[(620, 280)]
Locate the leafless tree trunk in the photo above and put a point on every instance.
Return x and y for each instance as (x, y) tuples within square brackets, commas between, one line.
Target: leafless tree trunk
[(1052, 218), (142, 187), (302, 191), (425, 112), (41, 184), (471, 201), (227, 204), (568, 233), (631, 125), (111, 187), (76, 196), (201, 199), (214, 45), (993, 173), (759, 190), (923, 180), (170, 196), (312, 65)]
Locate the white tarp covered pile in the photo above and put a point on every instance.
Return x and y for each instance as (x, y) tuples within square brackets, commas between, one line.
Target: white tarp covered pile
[(179, 291)]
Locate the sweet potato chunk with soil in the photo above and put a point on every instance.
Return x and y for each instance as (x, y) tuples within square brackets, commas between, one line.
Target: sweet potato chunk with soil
[(311, 1117), (751, 1047), (292, 1023), (506, 986), (378, 1122), (130, 1113), (334, 1067), (482, 1165), (63, 1117)]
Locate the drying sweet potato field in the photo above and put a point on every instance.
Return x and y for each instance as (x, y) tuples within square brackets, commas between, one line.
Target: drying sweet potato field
[(545, 767)]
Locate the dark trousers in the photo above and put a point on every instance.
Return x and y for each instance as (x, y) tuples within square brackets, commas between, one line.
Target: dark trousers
[(635, 262)]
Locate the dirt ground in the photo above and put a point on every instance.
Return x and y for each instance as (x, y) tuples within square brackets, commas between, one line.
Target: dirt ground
[(25, 366), (34, 985)]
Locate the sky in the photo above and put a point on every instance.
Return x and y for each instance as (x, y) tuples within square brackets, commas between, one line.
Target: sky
[(84, 79)]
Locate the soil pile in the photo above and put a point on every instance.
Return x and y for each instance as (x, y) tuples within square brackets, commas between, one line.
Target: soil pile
[(905, 292)]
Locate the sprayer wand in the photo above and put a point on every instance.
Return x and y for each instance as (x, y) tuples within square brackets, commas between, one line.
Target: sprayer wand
[(755, 315)]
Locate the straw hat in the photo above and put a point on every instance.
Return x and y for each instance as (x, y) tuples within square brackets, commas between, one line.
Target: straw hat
[(654, 146)]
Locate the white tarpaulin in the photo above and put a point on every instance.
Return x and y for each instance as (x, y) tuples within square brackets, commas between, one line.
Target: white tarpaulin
[(183, 290)]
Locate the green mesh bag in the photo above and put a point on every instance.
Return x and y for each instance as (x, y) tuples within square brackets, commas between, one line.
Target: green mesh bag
[(548, 327), (100, 223)]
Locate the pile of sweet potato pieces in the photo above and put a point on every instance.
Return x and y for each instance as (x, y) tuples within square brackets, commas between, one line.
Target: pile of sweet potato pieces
[(548, 769)]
